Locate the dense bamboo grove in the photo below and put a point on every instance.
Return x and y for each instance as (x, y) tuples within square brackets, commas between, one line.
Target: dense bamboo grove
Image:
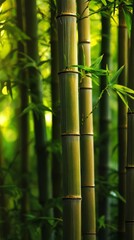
[(63, 120)]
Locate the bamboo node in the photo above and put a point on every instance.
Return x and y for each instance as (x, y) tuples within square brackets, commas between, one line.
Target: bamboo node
[(129, 166), (68, 70), (66, 14), (85, 88), (73, 197), (69, 134), (85, 42), (86, 134)]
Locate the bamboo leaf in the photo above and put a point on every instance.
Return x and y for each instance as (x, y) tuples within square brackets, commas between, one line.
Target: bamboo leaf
[(104, 2), (38, 220), (44, 108), (123, 89), (92, 70), (120, 197), (122, 98), (97, 61), (43, 62), (101, 221), (115, 77), (15, 31), (36, 108)]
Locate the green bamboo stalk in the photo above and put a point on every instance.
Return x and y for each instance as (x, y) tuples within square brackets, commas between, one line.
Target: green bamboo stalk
[(4, 221), (86, 127), (35, 83), (56, 120), (130, 149), (104, 124), (68, 76), (24, 126), (122, 121)]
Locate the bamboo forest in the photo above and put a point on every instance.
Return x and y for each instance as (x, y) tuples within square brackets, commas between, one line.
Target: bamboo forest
[(66, 119)]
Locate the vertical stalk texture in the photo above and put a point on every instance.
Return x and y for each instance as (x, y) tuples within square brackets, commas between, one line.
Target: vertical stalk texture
[(43, 160), (86, 127), (24, 125), (130, 147), (69, 119), (104, 126), (122, 121), (56, 120), (4, 223)]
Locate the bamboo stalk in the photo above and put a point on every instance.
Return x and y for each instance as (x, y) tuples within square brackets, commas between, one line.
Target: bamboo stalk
[(35, 84), (104, 125), (86, 127), (4, 216), (130, 149), (24, 125), (122, 121), (56, 120), (69, 119)]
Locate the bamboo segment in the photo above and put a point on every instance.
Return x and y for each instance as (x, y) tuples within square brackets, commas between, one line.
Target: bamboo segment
[(67, 50), (71, 183), (71, 212), (70, 125), (85, 114), (122, 121), (86, 127), (88, 166), (68, 77), (130, 147)]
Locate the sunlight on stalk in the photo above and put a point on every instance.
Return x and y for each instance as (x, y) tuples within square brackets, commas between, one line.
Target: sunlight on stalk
[(3, 119), (48, 117), (9, 134)]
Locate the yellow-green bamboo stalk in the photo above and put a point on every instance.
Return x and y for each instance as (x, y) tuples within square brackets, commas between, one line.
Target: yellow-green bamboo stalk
[(67, 36), (122, 120), (86, 127), (130, 148), (4, 221)]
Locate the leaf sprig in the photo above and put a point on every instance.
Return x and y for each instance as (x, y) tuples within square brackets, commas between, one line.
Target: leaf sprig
[(94, 72)]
